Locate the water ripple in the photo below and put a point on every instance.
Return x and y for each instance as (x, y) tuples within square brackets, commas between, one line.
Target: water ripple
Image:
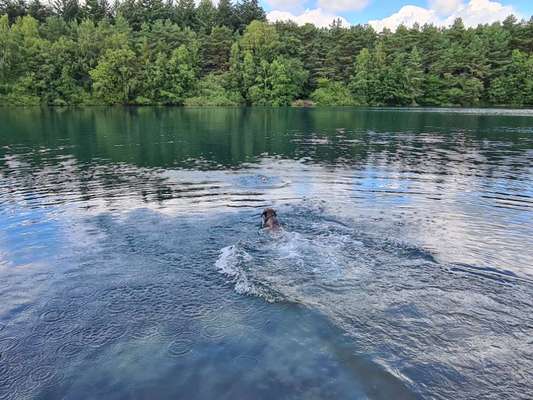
[(180, 347), (403, 271)]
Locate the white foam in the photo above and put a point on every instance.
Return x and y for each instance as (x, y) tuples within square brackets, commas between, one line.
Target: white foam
[(231, 262)]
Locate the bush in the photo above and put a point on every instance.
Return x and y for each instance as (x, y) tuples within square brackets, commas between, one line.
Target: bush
[(211, 92), (332, 94), (20, 94)]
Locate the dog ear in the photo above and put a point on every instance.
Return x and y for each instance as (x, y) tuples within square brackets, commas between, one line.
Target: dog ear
[(264, 214)]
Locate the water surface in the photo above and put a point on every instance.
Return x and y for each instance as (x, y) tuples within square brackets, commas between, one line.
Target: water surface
[(132, 264)]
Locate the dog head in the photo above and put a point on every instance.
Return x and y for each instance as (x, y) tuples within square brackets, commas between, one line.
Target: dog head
[(269, 214)]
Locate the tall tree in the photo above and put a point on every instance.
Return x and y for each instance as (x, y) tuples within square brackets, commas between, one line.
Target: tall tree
[(261, 39), (115, 77), (206, 14), (186, 14), (226, 14), (170, 78), (67, 9), (216, 50), (13, 9), (363, 81), (248, 11), (414, 77), (496, 43), (39, 10), (515, 87), (96, 10)]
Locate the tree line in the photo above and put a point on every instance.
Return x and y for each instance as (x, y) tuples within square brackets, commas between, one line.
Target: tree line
[(155, 52)]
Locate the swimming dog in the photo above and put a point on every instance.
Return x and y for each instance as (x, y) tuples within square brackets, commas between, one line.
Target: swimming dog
[(270, 220)]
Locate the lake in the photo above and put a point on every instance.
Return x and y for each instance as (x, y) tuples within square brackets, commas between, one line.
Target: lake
[(133, 266)]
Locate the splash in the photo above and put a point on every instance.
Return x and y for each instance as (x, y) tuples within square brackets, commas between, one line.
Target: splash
[(398, 303), (232, 263)]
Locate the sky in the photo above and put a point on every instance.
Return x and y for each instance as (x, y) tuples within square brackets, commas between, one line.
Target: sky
[(391, 13)]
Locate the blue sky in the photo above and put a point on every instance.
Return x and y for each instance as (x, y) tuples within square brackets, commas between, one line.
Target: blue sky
[(390, 13)]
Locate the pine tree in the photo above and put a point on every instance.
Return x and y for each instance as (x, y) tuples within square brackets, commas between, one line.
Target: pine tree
[(516, 86), (414, 76), (96, 10), (248, 11), (381, 81), (13, 9), (67, 9), (206, 14), (186, 14), (39, 10), (226, 14), (216, 50), (362, 81)]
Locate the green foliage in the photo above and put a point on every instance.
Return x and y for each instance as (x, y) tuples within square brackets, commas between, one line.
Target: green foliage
[(69, 10), (216, 50), (171, 78), (13, 9), (414, 77), (288, 79), (20, 93), (206, 14), (96, 10), (186, 14), (261, 40), (226, 15), (262, 77), (39, 10), (331, 93), (55, 82), (185, 52), (114, 77), (248, 11), (122, 78), (363, 81), (515, 87), (382, 80), (211, 92)]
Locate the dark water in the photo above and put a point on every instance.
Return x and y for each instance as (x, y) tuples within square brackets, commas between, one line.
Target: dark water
[(132, 266)]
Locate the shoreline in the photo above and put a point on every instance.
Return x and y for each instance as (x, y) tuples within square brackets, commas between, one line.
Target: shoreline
[(254, 107)]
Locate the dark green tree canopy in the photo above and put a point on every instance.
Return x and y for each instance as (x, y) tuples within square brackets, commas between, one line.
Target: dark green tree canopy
[(186, 52)]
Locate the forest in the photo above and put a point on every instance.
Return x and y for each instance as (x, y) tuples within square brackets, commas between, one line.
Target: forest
[(157, 52)]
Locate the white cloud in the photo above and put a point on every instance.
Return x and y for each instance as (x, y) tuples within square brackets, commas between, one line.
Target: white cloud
[(445, 7), (473, 13), (316, 16), (481, 12), (407, 16), (343, 5)]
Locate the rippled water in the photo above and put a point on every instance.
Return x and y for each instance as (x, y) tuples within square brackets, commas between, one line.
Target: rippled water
[(132, 264)]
